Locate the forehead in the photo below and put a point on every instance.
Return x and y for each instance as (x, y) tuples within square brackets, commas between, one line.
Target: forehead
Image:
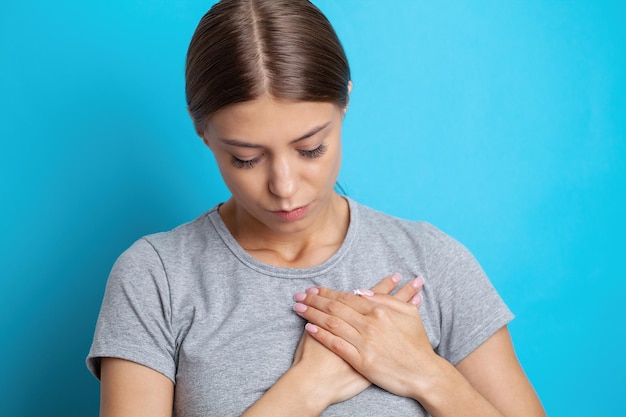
[(267, 118)]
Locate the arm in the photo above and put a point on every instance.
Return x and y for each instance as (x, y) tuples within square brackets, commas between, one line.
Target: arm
[(129, 389), (488, 382), (494, 371), (135, 305), (385, 341), (133, 390), (317, 379)]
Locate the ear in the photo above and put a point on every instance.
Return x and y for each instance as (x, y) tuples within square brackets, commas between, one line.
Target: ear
[(345, 109)]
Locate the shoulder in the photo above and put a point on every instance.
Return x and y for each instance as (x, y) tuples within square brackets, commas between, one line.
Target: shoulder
[(165, 250), (432, 252), (181, 243), (378, 223), (187, 234)]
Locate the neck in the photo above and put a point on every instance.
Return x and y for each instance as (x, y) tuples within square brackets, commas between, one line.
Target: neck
[(311, 245)]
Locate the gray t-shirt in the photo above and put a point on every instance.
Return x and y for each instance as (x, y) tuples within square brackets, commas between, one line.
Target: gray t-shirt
[(193, 305)]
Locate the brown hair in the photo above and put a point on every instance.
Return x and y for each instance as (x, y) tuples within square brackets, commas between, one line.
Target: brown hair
[(243, 49)]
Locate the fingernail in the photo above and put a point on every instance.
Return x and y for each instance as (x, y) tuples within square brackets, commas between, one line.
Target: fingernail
[(313, 291), (416, 299), (311, 328), (299, 308), (299, 296), (365, 291), (396, 277), (417, 282)]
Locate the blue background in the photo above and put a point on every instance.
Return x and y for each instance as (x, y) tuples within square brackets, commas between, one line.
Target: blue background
[(501, 122)]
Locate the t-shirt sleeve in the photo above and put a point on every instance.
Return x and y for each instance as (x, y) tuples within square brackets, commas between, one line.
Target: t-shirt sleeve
[(470, 309), (135, 318)]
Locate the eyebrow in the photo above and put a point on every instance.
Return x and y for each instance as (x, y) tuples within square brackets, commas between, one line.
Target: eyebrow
[(243, 144)]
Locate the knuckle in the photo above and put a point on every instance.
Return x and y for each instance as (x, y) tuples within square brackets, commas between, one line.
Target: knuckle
[(367, 358), (336, 345), (334, 306), (369, 329), (343, 297), (333, 323), (379, 312)]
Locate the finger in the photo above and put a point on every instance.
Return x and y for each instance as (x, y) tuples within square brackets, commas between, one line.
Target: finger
[(395, 304), (336, 344), (387, 284), (337, 303), (410, 292), (325, 299), (331, 314)]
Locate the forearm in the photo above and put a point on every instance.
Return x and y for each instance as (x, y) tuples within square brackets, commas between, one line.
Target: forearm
[(318, 377), (293, 394), (447, 393)]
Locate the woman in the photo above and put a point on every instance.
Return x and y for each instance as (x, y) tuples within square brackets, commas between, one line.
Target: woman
[(208, 319)]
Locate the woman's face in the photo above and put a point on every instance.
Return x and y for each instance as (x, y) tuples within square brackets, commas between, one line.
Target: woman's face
[(280, 160)]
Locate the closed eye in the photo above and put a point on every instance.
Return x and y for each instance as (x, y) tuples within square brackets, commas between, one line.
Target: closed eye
[(243, 163), (314, 153), (250, 163)]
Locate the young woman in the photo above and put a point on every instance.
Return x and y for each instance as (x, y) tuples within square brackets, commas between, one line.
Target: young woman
[(209, 319)]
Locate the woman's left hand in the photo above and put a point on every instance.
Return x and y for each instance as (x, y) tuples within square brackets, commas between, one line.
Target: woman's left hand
[(381, 337)]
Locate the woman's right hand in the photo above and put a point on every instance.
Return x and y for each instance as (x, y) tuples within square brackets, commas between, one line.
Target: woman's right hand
[(336, 380)]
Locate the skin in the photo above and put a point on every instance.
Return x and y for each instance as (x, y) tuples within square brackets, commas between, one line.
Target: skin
[(129, 389), (291, 155), (384, 340), (277, 157)]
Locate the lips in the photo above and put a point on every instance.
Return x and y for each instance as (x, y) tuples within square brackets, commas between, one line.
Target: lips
[(293, 215)]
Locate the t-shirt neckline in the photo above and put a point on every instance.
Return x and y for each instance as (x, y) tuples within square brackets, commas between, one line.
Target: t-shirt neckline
[(283, 272)]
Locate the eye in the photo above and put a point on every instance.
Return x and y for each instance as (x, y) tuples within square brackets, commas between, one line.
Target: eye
[(315, 153), (244, 164)]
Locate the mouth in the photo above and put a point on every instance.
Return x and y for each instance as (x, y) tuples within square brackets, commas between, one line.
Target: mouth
[(292, 215)]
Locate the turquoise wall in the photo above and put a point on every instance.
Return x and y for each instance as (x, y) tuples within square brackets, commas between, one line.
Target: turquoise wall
[(501, 122)]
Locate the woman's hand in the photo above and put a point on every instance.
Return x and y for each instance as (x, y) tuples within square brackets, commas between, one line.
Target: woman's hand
[(338, 381), (378, 335), (384, 340), (337, 378)]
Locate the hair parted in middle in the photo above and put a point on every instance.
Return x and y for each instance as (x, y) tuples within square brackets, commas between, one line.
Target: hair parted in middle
[(243, 49)]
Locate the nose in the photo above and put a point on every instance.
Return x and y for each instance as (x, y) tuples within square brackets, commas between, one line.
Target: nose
[(283, 178)]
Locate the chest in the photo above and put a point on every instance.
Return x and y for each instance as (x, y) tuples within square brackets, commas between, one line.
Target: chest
[(236, 338)]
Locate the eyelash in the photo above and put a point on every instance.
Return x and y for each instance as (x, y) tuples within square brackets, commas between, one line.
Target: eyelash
[(240, 163), (310, 154), (315, 153)]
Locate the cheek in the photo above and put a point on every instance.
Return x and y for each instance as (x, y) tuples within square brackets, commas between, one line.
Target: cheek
[(326, 168), (235, 180), (244, 183), (339, 157), (232, 177), (334, 164)]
